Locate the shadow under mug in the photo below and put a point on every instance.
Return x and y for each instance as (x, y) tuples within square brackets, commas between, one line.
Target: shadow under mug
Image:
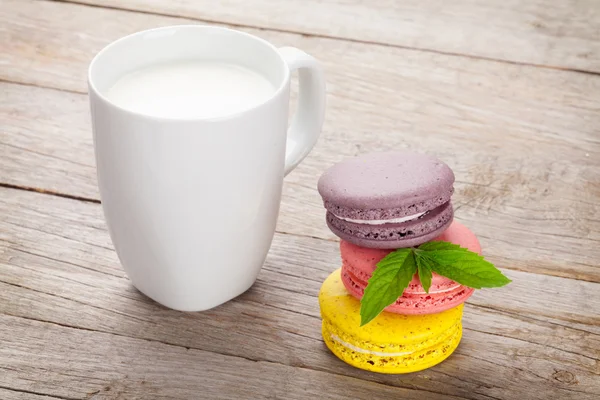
[(191, 204)]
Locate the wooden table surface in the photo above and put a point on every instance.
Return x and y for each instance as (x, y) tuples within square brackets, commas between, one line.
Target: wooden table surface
[(507, 92)]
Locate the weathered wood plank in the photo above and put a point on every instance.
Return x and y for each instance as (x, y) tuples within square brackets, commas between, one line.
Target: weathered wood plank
[(79, 364), (564, 35), (29, 157), (56, 266), (538, 338)]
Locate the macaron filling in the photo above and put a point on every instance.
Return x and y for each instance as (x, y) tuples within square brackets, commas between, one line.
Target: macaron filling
[(372, 352), (389, 349), (381, 214), (384, 221), (428, 224)]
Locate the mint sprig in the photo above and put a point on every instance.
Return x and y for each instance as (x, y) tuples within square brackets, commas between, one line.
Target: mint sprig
[(395, 271)]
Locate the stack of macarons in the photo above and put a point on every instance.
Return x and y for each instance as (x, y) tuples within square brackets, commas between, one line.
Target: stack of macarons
[(376, 204)]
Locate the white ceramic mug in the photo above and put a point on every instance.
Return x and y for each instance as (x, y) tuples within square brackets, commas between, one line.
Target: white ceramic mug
[(191, 204)]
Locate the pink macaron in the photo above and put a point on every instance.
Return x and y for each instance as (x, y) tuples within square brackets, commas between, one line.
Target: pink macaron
[(358, 263)]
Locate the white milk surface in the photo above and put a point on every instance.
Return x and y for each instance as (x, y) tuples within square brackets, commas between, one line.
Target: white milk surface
[(191, 89)]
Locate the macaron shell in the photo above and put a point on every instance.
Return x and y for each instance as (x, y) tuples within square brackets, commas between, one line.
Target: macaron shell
[(390, 343), (358, 264), (393, 236), (400, 180)]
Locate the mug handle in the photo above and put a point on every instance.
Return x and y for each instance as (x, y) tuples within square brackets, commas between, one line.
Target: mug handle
[(308, 119)]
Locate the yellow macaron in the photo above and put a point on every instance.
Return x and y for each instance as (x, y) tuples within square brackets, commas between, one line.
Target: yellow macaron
[(391, 343)]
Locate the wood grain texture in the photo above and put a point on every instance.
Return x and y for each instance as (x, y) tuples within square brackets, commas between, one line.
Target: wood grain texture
[(57, 266), (563, 34), (72, 363), (524, 142)]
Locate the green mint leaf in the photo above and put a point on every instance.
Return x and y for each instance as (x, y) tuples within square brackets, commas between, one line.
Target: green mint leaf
[(461, 265), (439, 245), (392, 275), (424, 266)]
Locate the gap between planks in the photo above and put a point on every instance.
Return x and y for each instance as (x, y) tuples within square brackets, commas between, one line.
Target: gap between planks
[(59, 89), (36, 394), (324, 36), (96, 201), (49, 192)]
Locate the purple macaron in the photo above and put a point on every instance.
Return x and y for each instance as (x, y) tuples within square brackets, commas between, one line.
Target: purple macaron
[(388, 200)]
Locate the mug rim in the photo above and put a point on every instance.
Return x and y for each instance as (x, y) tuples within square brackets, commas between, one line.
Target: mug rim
[(107, 48)]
